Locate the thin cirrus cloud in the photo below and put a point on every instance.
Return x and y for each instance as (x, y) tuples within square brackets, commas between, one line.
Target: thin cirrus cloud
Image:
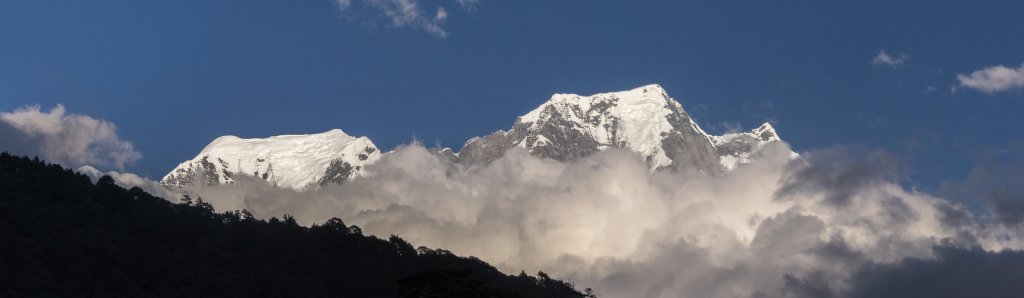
[(468, 5), (883, 58), (414, 14), (69, 139), (993, 79)]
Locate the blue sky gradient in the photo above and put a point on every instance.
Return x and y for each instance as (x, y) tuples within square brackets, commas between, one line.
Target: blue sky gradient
[(174, 75)]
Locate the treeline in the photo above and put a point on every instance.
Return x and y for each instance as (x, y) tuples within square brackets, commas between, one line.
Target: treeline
[(61, 235)]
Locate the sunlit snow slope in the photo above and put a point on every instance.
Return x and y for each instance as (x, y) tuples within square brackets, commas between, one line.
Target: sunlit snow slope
[(568, 126), (293, 161), (644, 120)]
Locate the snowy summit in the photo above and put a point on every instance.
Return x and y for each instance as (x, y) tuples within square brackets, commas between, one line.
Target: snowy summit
[(645, 120), (292, 161), (566, 127)]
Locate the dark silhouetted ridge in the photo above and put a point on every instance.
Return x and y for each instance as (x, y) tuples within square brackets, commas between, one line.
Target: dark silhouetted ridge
[(61, 235)]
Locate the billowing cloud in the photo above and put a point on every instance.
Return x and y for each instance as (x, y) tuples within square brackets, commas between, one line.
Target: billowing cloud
[(400, 13), (993, 79), (820, 225), (69, 139), (998, 182), (885, 59), (955, 272)]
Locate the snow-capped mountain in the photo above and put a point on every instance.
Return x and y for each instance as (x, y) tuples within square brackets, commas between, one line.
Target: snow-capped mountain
[(293, 161), (566, 127), (645, 120), (738, 148)]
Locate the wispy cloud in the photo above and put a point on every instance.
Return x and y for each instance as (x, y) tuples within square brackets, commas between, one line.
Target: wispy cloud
[(129, 180), (441, 15), (885, 59), (468, 5), (70, 139), (401, 13), (993, 79)]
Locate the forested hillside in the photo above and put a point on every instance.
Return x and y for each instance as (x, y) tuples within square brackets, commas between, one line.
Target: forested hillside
[(61, 235)]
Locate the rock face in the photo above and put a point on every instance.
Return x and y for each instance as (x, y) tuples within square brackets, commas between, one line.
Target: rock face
[(645, 120), (293, 161)]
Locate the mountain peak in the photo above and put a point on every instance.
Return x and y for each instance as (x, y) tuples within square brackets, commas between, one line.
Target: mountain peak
[(766, 132), (644, 120), (336, 135), (297, 161), (639, 119), (740, 147), (652, 94), (654, 88), (569, 126)]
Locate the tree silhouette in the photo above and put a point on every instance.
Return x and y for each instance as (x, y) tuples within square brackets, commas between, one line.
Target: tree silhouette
[(61, 235)]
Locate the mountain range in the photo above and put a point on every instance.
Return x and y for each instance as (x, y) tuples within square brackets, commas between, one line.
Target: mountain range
[(645, 120)]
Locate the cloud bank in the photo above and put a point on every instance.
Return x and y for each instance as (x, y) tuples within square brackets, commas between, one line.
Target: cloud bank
[(834, 222), (69, 139), (993, 79)]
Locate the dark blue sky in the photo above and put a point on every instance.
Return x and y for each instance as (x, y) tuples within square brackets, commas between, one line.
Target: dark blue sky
[(173, 75)]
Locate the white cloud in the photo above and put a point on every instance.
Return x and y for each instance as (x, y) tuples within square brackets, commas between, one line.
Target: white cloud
[(884, 58), (993, 79), (129, 180), (441, 15), (74, 140), (400, 13), (468, 5), (69, 139), (607, 222)]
